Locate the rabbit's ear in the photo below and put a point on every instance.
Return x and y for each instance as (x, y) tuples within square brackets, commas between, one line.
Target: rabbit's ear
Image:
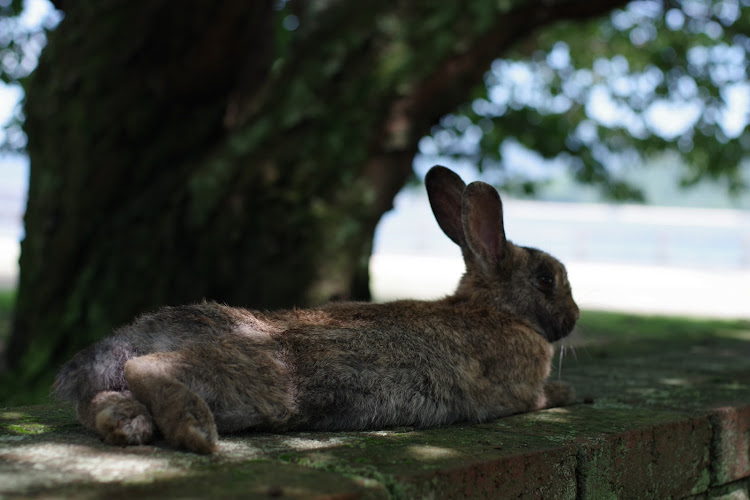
[(444, 189), (483, 224)]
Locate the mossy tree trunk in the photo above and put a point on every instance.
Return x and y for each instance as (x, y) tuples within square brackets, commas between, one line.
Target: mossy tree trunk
[(191, 151)]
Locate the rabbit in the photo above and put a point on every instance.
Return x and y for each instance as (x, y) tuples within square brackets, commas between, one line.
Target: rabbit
[(190, 372)]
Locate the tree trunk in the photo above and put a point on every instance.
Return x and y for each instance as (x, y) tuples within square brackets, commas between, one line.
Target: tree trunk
[(188, 152)]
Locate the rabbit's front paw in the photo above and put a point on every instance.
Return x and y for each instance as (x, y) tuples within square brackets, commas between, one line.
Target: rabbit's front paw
[(122, 420), (558, 393)]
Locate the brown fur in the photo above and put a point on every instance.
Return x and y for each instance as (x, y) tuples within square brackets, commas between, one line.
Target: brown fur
[(191, 372)]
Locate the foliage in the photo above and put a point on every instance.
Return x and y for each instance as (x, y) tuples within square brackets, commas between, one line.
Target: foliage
[(22, 38), (601, 96), (589, 96)]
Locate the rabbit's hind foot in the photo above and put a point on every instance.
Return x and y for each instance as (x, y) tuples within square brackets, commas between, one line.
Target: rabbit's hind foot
[(181, 415), (119, 418)]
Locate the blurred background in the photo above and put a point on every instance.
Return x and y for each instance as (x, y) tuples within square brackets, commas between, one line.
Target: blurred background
[(686, 250), (272, 154)]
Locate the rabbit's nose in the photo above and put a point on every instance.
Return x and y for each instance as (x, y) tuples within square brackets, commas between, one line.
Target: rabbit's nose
[(576, 311)]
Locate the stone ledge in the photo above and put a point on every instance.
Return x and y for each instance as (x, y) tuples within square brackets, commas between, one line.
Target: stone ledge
[(664, 419)]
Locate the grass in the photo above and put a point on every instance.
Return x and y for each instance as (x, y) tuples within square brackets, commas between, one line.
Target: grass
[(627, 328)]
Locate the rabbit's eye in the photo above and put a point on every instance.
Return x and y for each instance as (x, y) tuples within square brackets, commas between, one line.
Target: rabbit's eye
[(545, 281)]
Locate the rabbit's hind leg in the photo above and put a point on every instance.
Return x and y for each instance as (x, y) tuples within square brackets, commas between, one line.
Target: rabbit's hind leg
[(118, 418), (180, 414)]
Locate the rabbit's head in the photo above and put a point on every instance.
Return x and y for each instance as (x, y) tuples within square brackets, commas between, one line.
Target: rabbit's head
[(525, 282)]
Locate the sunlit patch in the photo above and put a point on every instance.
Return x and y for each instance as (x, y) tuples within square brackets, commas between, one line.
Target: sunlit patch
[(300, 443), (555, 415), (57, 461), (734, 334), (239, 448), (674, 381), (368, 482), (382, 433), (427, 452), (12, 415), (393, 433)]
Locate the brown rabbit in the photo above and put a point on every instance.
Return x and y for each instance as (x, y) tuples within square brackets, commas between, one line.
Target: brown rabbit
[(481, 353)]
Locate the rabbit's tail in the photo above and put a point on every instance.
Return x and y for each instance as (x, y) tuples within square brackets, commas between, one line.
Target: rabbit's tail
[(93, 370)]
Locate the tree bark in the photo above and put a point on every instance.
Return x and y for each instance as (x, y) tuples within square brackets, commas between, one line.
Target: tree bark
[(192, 152)]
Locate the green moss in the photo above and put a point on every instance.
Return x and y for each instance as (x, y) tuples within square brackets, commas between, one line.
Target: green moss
[(25, 429), (288, 457), (32, 420)]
